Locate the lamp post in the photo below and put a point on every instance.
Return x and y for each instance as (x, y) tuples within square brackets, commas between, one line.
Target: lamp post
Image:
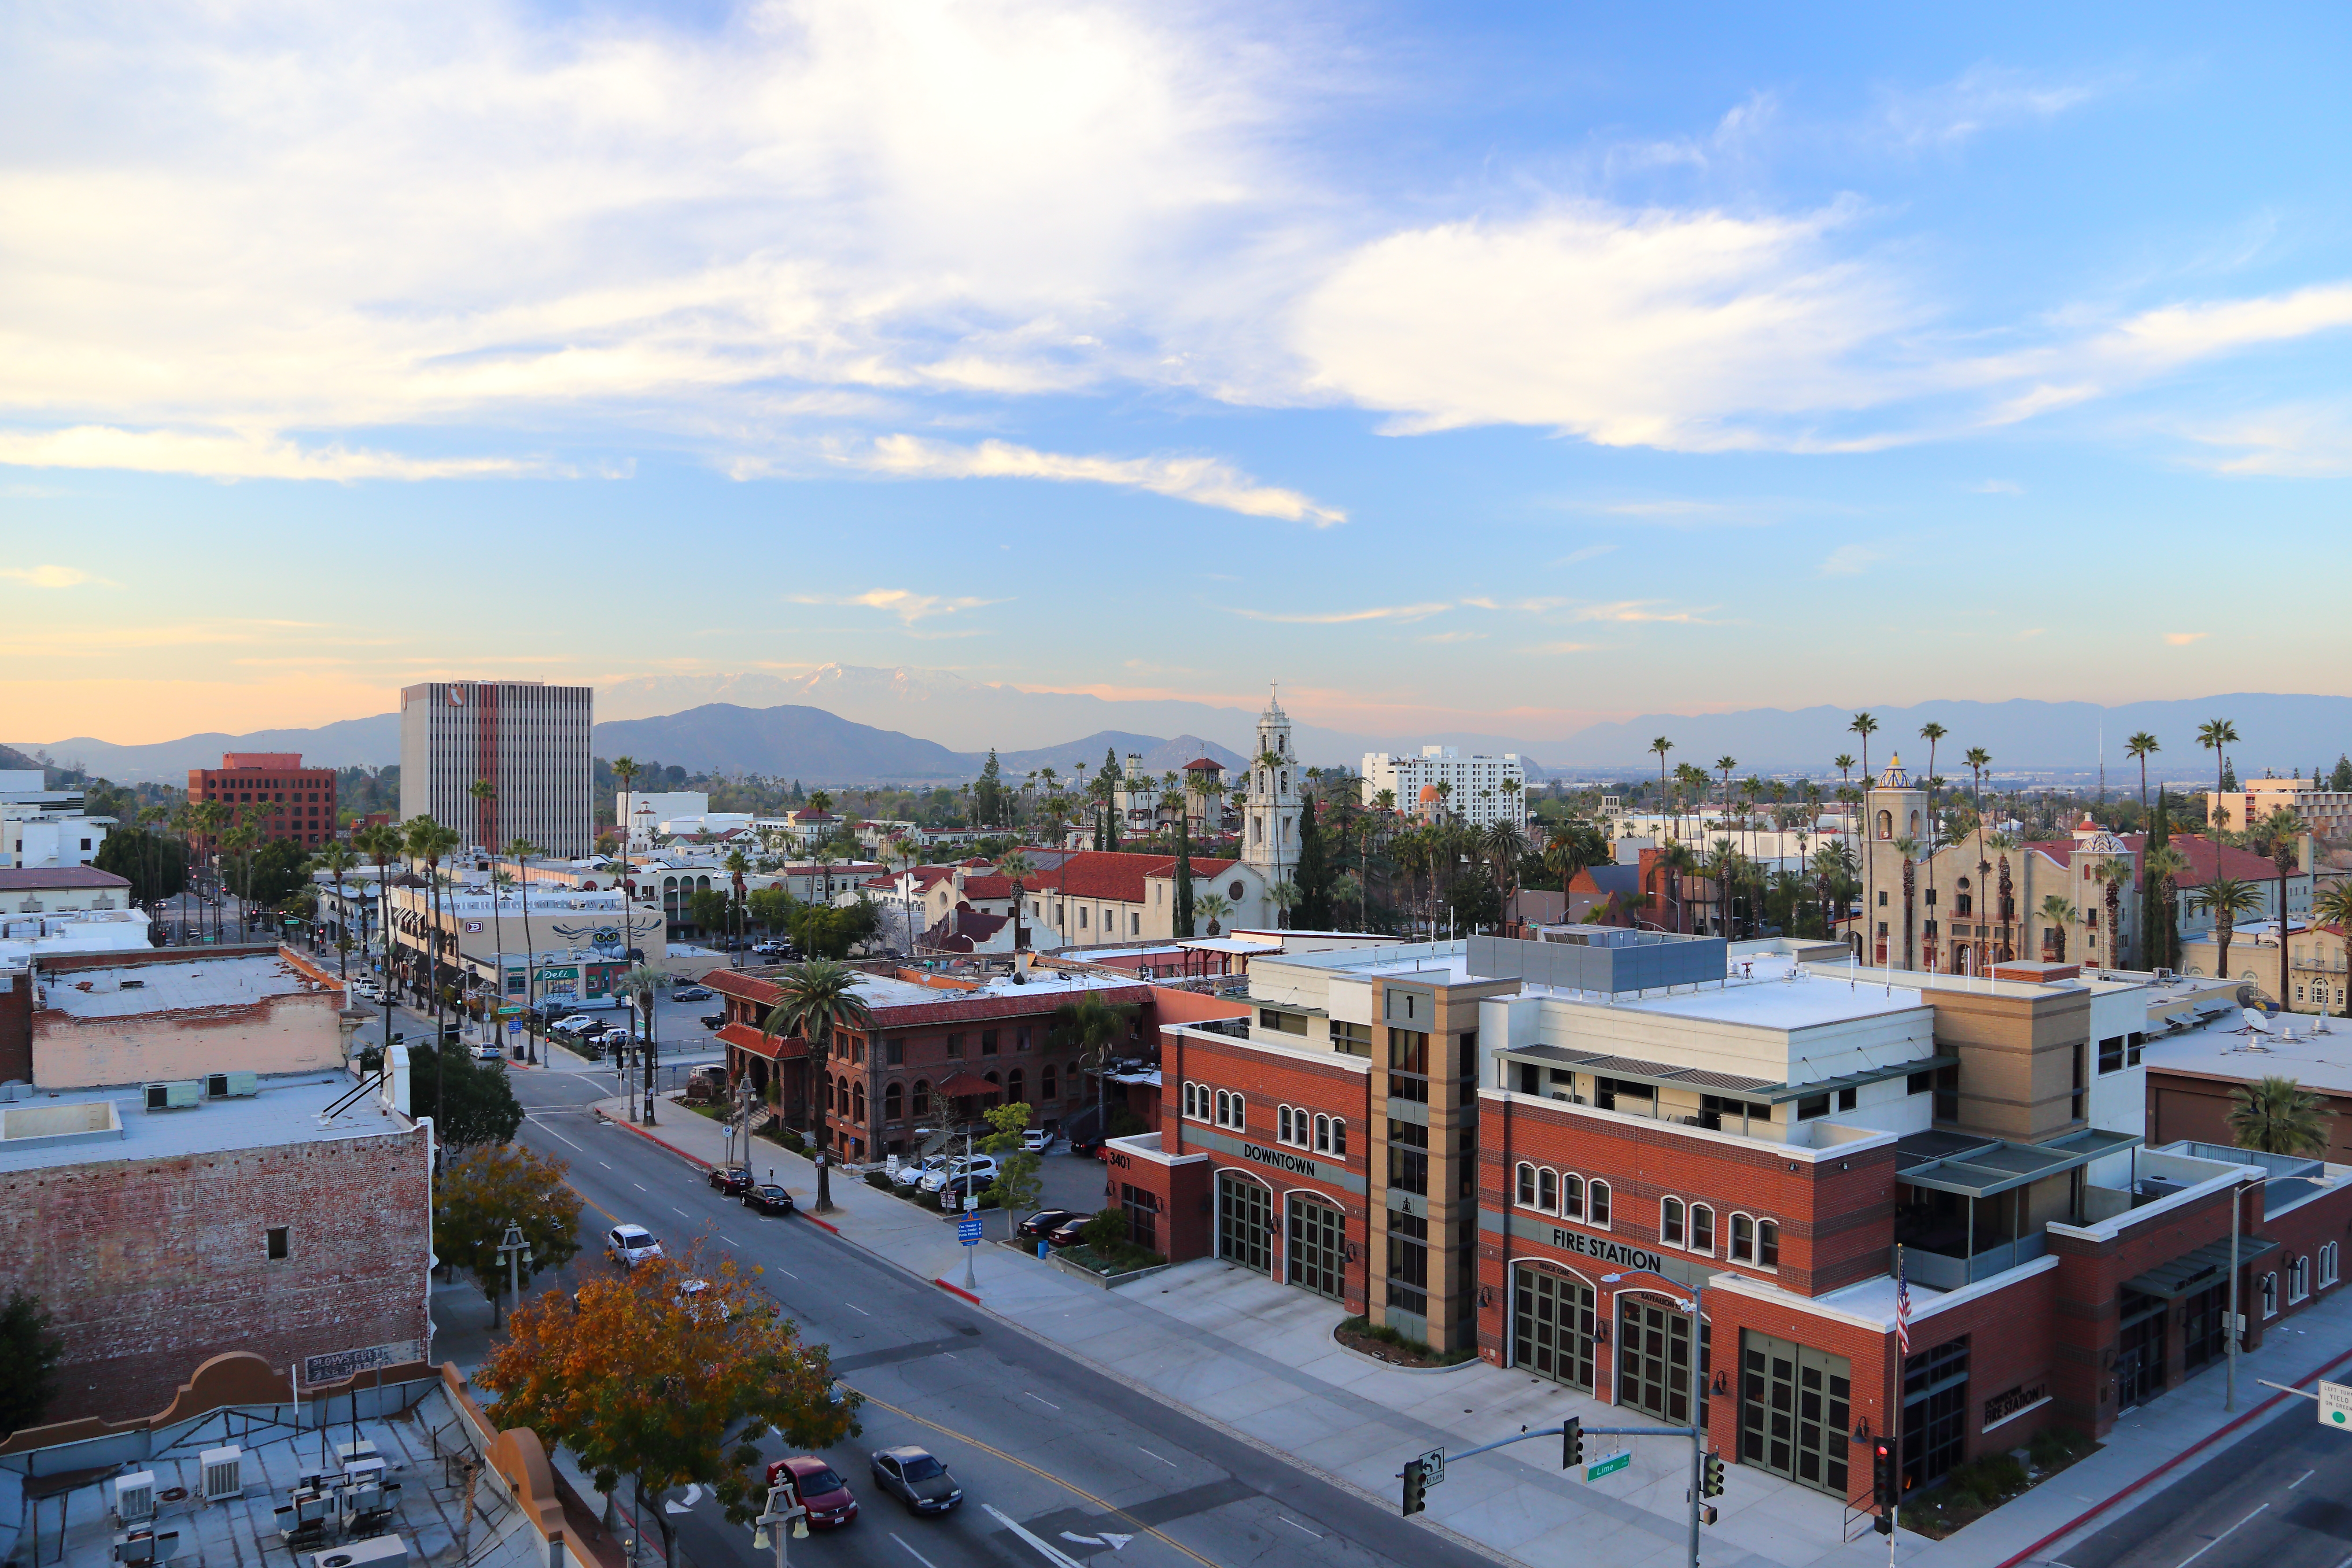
[(517, 1252), (1697, 1307), (780, 1511)]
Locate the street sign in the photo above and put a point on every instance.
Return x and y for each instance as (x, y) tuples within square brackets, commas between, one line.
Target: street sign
[(968, 1230), (514, 1028), (1433, 1467), (2336, 1403), (1608, 1466)]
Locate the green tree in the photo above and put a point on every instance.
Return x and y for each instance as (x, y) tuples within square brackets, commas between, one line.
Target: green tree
[(1211, 909), (154, 866), (816, 998), (277, 874), (1185, 913), (2341, 779), (2278, 1116), (2114, 874), (521, 849), (1017, 1181), (708, 910), (335, 858), (2060, 915), (477, 1105), (1313, 873), (29, 1354), (2227, 899), (832, 930), (772, 909), (1092, 1026), (488, 1188), (1017, 868), (2216, 736)]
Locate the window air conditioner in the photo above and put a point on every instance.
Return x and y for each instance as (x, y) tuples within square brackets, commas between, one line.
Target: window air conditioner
[(223, 1472)]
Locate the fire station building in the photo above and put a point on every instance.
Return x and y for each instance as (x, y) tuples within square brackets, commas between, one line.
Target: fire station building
[(1552, 1150)]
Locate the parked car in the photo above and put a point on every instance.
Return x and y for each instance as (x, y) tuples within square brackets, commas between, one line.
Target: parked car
[(818, 1487), (691, 993), (489, 1051), (1086, 1146), (1036, 1140), (630, 1245), (970, 1184), (1070, 1232), (976, 1165), (912, 1172), (731, 1180), (571, 1024), (1045, 1221), (768, 1198), (916, 1478), (714, 1020)]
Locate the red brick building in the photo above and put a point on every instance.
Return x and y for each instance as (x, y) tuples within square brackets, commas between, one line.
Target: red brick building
[(292, 801), (1544, 1151)]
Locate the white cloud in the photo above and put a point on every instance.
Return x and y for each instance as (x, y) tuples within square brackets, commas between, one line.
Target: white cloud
[(1562, 647), (1451, 636), (1997, 488), (2177, 334), (234, 457), (1983, 98), (1406, 613), (906, 605), (1205, 481), (1632, 611), (49, 576), (2292, 442), (1850, 561), (2182, 639)]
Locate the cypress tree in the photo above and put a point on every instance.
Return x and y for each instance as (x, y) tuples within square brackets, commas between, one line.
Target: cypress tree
[(2159, 943), (1184, 878), (1314, 874)]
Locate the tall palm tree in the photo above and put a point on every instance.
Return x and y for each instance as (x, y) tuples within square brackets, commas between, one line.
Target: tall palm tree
[(626, 770), (382, 844), (1865, 725), (2060, 914), (1724, 764), (2142, 745), (1503, 843), (2226, 899), (1661, 746), (1283, 896), (2164, 866), (2284, 830), (1017, 868), (522, 850), (1678, 860), (1722, 868), (428, 841), (2278, 1116), (738, 866), (485, 824), (816, 999), (2214, 735), (906, 853), (337, 858), (2332, 907), (2114, 873)]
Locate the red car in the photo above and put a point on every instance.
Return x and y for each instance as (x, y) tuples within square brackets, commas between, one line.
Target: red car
[(818, 1487)]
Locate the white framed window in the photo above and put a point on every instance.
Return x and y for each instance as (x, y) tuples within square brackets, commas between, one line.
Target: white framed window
[(1196, 1101), (2327, 1261), (1767, 1243), (1596, 1203), (2270, 1295), (1547, 1191), (1572, 1196), (1232, 1110), (1743, 1238), (1526, 1185), (2298, 1278), (1332, 1136), (1290, 1126), (1670, 1223), (1701, 1228)]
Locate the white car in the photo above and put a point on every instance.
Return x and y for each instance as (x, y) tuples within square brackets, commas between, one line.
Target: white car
[(630, 1245), (577, 1023), (912, 1171), (1036, 1140), (977, 1166)]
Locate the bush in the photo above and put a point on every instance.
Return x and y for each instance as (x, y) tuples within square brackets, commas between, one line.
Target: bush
[(1107, 1232), (777, 1132), (2055, 1445), (881, 1179)]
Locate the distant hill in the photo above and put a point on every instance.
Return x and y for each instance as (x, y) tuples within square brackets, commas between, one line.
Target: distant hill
[(1159, 756), (789, 741), (371, 742)]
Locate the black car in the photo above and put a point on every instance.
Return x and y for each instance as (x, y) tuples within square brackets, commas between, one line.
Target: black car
[(916, 1478), (691, 993), (731, 1179), (768, 1198), (952, 1194), (1070, 1232), (1044, 1220), (714, 1020)]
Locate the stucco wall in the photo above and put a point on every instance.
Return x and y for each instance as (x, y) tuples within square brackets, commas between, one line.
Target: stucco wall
[(293, 1033)]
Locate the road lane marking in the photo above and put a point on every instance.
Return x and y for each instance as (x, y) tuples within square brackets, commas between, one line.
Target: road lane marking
[(729, 1240), (1170, 1463), (1298, 1527), (679, 1211), (991, 1450), (2218, 1540), (787, 1273), (918, 1556), (639, 1186), (2299, 1480), (856, 1308), (1046, 1403), (551, 1132), (1052, 1554), (606, 1163)]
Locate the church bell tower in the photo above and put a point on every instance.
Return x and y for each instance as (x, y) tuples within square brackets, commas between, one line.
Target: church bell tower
[(1270, 822)]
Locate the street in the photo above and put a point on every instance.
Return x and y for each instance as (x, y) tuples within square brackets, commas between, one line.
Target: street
[(1088, 1468), (2280, 1498)]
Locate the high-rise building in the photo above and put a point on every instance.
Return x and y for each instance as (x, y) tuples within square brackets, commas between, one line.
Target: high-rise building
[(1476, 789), (286, 799), (527, 739)]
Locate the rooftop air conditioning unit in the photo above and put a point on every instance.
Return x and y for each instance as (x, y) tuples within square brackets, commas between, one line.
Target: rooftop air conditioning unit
[(173, 1096), (146, 1546), (232, 1085), (134, 1496), (383, 1551), (223, 1472)]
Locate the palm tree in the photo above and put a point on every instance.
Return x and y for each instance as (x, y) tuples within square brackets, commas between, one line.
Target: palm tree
[(906, 854), (2142, 745), (2284, 830), (624, 769), (522, 850), (428, 841), (2226, 899), (738, 866), (2278, 1116), (2334, 907), (1208, 908), (1722, 868), (642, 986), (337, 858), (815, 999), (1093, 1026), (1678, 860), (2114, 874), (2214, 735), (1503, 843), (1865, 726), (2060, 914), (1283, 896), (1016, 868)]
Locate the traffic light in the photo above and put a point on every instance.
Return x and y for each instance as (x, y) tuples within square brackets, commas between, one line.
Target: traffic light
[(1571, 1443), (1413, 1487), (1711, 1476), (1883, 1484)]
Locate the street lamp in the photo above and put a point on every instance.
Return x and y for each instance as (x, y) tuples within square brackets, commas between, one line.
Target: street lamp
[(780, 1511), (517, 1252), (1696, 1307)]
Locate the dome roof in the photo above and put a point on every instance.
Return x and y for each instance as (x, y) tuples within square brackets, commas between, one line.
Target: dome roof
[(1429, 795), (2106, 843)]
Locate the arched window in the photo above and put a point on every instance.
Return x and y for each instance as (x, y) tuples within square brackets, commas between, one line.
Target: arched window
[(922, 1098), (894, 1107), (1597, 1202), (1886, 825), (2270, 1295), (2298, 1279), (2328, 1256), (828, 1093), (1670, 1223), (1282, 1124), (1012, 1086), (1701, 1228), (1527, 1185), (1743, 1239), (1330, 1135), (1767, 1243), (860, 1098), (1571, 1197), (1045, 1082), (1548, 1190)]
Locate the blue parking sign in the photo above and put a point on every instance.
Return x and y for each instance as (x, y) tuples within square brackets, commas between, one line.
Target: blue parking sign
[(968, 1230)]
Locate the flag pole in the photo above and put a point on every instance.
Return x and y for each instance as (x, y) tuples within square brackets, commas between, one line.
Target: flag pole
[(1895, 1416)]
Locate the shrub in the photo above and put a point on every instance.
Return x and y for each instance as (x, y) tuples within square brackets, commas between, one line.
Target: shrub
[(1107, 1232), (2054, 1445)]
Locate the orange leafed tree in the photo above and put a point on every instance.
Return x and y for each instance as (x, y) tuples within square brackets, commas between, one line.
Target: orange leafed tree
[(649, 1377)]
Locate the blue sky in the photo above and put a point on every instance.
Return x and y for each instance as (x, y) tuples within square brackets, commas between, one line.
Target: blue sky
[(1494, 369)]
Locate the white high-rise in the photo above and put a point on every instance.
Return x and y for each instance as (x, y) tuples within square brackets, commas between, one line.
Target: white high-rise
[(530, 740), (1476, 789)]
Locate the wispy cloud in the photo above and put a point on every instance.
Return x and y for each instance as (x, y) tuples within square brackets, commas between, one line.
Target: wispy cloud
[(1205, 481), (1562, 647), (904, 603), (49, 576), (1590, 553), (1983, 98), (1451, 636), (236, 456), (1850, 561), (2030, 633), (2182, 639), (1997, 488), (1635, 611), (2291, 442), (1400, 613)]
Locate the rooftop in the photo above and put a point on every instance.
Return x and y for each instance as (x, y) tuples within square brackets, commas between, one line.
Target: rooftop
[(35, 879), (215, 982), (1776, 1001), (2315, 1051), (285, 1111)]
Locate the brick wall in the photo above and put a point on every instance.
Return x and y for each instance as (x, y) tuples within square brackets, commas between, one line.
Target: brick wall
[(148, 1267), (17, 1026)]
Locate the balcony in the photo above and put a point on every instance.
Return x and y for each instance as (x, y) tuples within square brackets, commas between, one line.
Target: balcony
[(1968, 1208)]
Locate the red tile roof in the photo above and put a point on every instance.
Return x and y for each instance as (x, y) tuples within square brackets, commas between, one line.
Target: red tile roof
[(988, 887), (1205, 766), (1117, 875), (2202, 853), (775, 1048)]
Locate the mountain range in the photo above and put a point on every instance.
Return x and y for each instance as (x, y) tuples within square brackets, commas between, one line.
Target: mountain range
[(850, 724)]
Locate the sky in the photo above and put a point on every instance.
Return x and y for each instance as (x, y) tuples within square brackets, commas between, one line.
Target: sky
[(1488, 368)]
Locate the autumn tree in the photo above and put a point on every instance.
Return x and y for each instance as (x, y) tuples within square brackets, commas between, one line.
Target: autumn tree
[(639, 1376), (487, 1189), (1017, 1182)]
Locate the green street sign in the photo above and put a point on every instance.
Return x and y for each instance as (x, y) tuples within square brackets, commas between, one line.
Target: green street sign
[(1610, 1466), (509, 1011)]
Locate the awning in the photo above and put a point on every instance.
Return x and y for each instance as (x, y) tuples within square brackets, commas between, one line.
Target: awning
[(1979, 1168), (775, 1047), (958, 1086), (2200, 1269)]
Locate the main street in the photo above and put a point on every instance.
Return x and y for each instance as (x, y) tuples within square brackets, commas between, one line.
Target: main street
[(1088, 1468)]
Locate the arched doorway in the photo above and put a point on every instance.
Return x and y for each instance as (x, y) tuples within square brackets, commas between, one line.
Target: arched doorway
[(1244, 1222), (1315, 1254), (1553, 1325), (1653, 1352)]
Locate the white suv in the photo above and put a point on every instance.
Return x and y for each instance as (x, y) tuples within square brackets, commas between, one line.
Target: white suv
[(978, 1165), (630, 1245)]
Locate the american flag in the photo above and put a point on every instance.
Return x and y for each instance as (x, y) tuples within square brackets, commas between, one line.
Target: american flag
[(1902, 1305)]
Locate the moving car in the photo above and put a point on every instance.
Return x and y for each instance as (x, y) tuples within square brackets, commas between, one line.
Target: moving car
[(630, 1245), (691, 993), (489, 1051), (768, 1198), (916, 1478), (732, 1180), (1043, 1221), (975, 1165), (818, 1487)]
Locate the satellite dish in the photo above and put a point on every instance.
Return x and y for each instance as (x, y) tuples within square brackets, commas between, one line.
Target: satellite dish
[(2255, 1021)]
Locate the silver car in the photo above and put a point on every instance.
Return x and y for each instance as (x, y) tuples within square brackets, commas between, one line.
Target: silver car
[(916, 1478)]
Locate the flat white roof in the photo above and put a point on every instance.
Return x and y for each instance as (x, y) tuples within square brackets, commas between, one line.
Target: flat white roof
[(1772, 1004), (2225, 1049), (285, 1111), (135, 989), (889, 990)]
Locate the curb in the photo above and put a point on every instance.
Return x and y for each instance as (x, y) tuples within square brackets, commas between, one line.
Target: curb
[(2080, 1520), (663, 1144), (959, 1290), (827, 1224)]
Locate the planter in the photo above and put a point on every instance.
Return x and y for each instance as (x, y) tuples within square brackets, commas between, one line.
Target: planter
[(1400, 1361), (1107, 1281)]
